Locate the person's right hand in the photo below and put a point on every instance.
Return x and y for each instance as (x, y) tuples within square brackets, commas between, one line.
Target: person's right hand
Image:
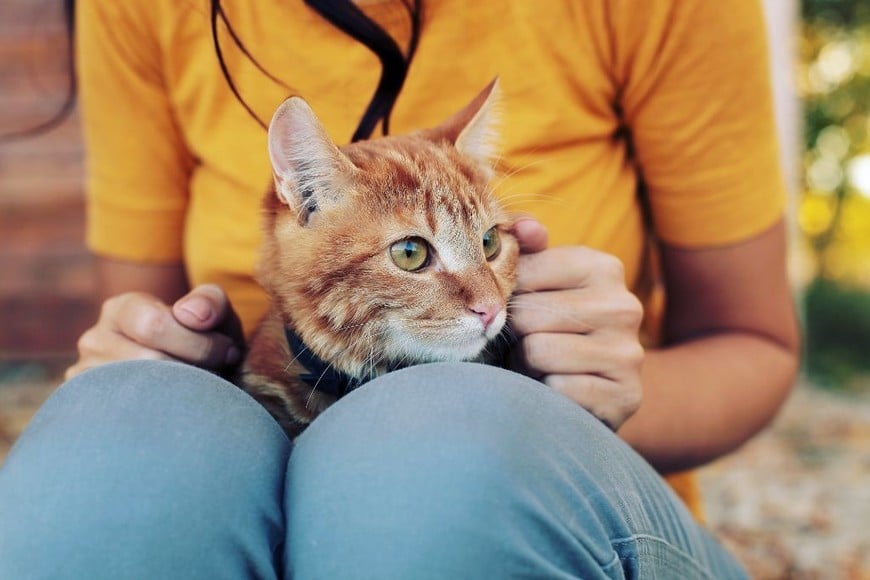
[(201, 328)]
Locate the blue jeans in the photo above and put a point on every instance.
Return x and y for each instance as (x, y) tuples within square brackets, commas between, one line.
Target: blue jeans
[(160, 470)]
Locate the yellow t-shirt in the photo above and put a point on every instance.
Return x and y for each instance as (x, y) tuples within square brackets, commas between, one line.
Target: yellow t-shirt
[(599, 96)]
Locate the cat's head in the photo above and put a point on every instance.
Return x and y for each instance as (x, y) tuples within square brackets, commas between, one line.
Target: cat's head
[(389, 251)]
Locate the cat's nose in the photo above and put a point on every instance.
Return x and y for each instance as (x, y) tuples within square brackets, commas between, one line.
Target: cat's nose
[(486, 312)]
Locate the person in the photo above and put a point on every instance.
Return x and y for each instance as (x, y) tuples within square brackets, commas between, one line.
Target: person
[(639, 139)]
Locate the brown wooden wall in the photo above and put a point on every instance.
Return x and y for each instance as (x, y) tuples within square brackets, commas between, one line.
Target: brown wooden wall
[(47, 287)]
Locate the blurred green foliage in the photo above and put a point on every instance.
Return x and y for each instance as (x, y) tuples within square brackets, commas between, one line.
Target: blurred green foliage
[(837, 320), (834, 212), (839, 13)]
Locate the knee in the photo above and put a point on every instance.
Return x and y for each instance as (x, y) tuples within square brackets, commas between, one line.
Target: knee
[(146, 414), (462, 415), (459, 460), (154, 459)]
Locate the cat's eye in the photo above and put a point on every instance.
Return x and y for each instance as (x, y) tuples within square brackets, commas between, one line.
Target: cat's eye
[(410, 254), (491, 243)]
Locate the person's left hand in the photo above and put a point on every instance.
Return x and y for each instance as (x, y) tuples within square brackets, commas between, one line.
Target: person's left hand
[(577, 325)]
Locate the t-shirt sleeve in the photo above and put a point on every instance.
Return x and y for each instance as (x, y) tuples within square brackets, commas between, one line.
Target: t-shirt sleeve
[(137, 165), (696, 98)]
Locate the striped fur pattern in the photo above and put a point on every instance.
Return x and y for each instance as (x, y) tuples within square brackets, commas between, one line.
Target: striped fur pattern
[(330, 221)]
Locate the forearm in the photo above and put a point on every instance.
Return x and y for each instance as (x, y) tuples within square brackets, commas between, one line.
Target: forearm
[(167, 282), (705, 397)]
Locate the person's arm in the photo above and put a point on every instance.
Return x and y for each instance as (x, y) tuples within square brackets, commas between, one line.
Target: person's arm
[(732, 357), (732, 342), (138, 173), (167, 282), (696, 99)]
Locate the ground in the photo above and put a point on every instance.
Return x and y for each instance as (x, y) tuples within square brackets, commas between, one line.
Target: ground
[(794, 503)]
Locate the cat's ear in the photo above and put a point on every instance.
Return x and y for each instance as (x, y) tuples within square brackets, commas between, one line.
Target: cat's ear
[(310, 172), (473, 129)]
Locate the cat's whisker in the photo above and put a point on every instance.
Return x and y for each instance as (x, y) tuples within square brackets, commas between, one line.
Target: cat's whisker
[(541, 308), (501, 177), (367, 332), (317, 384), (510, 207), (514, 193), (371, 360), (351, 326), (530, 196), (509, 335), (294, 359), (310, 396), (522, 204), (526, 199)]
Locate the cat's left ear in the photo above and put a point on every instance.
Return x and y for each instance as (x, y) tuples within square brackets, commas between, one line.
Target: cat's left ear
[(310, 171), (473, 129)]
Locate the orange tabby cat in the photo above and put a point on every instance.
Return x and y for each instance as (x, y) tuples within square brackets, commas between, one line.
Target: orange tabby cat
[(378, 255)]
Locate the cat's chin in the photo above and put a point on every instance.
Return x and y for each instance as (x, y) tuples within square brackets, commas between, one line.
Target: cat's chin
[(416, 350), (457, 352)]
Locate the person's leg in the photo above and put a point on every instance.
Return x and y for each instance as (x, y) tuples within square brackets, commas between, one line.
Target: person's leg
[(145, 470), (466, 471)]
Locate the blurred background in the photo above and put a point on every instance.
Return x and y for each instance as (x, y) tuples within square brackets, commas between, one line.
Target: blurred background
[(833, 212), (793, 503)]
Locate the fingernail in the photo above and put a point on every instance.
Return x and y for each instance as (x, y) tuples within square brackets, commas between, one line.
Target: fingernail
[(233, 356), (197, 307)]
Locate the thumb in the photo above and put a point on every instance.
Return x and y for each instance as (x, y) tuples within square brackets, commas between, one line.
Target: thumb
[(531, 235), (207, 308)]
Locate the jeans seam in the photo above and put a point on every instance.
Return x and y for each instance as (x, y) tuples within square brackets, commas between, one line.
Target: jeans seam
[(615, 562), (639, 539)]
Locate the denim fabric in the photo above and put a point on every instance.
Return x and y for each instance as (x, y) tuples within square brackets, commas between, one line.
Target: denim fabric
[(160, 470)]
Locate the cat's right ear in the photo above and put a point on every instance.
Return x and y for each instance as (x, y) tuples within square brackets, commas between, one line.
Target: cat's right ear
[(310, 171), (473, 129)]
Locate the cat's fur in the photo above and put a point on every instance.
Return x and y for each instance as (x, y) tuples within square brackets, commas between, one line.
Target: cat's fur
[(330, 220)]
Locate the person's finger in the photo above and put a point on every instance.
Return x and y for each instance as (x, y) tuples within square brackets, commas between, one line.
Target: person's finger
[(578, 311), (531, 235), (207, 307), (150, 323), (121, 349), (545, 353), (567, 267), (613, 403)]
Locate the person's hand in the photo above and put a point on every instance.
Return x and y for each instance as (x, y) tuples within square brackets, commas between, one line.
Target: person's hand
[(577, 325), (201, 328)]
